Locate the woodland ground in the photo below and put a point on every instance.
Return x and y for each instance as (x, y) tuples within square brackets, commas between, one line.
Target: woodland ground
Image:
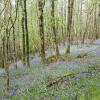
[(74, 79)]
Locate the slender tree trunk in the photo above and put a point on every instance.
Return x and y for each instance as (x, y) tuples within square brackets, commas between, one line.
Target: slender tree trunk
[(54, 28), (41, 30), (69, 22), (7, 58), (65, 16), (18, 51), (23, 42), (81, 21), (27, 35), (14, 43), (3, 51), (6, 42), (23, 33), (86, 27), (95, 22), (99, 23)]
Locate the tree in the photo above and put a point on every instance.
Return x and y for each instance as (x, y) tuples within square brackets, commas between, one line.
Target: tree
[(54, 28), (41, 29), (26, 31), (23, 33), (69, 22)]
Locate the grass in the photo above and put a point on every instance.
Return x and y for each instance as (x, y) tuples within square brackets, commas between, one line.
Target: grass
[(84, 90), (87, 87)]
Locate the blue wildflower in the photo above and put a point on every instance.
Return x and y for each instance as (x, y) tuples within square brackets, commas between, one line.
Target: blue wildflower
[(56, 97), (13, 92)]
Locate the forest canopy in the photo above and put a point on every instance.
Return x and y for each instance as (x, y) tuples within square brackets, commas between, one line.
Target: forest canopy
[(85, 16)]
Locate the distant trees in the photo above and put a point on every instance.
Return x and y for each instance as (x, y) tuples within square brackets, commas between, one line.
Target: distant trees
[(57, 21)]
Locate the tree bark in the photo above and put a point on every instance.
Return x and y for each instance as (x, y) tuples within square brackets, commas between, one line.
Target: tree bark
[(41, 30), (54, 28), (27, 35), (69, 22)]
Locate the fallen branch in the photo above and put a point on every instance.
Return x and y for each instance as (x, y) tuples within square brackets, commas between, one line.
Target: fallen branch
[(67, 79), (71, 77)]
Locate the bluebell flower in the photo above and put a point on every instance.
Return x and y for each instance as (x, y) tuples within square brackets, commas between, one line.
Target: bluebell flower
[(56, 97), (13, 92)]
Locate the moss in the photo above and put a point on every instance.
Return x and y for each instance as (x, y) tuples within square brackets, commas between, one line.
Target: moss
[(82, 55), (52, 59), (64, 58)]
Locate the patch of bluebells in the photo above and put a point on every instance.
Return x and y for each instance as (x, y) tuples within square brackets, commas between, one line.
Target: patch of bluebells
[(13, 92), (2, 87), (98, 84), (2, 95)]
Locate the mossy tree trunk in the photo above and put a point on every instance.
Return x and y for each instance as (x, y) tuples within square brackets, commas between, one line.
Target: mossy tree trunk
[(41, 29)]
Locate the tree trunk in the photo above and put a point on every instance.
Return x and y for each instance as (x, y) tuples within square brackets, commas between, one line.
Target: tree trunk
[(69, 22), (54, 28), (41, 30), (27, 35)]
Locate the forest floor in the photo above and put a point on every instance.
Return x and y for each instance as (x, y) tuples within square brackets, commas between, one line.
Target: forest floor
[(81, 74)]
